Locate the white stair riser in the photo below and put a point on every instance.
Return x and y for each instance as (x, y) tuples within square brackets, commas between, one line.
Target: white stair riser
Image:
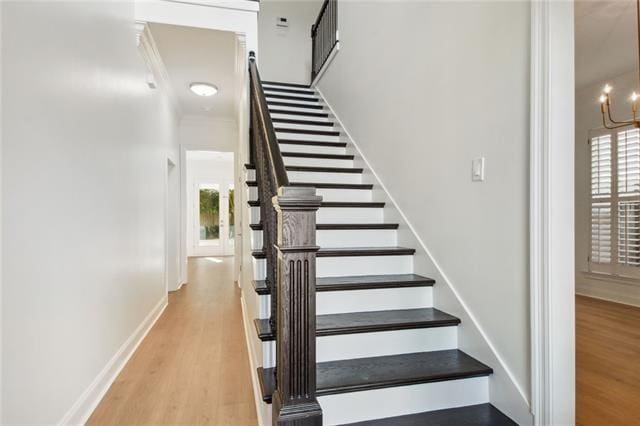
[(319, 177), (300, 102), (278, 85), (356, 265), (364, 345), (312, 149), (299, 117), (345, 238), (316, 162), (305, 137), (302, 126), (268, 91), (324, 177), (367, 300), (295, 107), (328, 194), (381, 299), (337, 215), (349, 215), (396, 401)]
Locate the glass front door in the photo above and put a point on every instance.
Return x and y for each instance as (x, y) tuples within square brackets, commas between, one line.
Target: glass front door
[(214, 222)]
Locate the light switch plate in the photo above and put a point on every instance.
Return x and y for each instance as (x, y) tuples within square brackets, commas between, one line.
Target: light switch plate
[(477, 169)]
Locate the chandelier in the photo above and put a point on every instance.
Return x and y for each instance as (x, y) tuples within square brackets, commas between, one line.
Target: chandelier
[(606, 99)]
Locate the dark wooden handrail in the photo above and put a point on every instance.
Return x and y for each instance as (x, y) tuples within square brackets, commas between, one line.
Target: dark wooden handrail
[(269, 134), (314, 27)]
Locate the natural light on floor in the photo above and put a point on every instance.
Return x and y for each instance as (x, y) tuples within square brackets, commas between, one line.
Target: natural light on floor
[(214, 259)]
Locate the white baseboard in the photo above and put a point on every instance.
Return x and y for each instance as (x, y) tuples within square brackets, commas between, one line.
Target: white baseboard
[(82, 409), (257, 394), (609, 290)]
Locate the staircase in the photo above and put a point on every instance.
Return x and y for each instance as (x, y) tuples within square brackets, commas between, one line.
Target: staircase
[(385, 355)]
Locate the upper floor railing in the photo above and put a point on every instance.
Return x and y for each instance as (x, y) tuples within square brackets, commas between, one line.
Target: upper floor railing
[(288, 218), (324, 36)]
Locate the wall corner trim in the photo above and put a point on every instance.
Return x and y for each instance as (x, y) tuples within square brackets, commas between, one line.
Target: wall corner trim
[(84, 406), (552, 220), (474, 320)]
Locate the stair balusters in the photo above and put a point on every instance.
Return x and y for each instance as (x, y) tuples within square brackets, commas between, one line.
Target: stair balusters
[(288, 216)]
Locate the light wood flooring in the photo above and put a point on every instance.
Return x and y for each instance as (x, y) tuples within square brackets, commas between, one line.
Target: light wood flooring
[(607, 363), (193, 367)]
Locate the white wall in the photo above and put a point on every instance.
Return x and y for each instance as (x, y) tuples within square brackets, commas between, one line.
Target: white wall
[(173, 223), (421, 109), (218, 135), (588, 117), (285, 54), (83, 179)]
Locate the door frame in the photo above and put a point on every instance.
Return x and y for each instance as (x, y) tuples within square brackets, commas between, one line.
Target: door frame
[(225, 246), (552, 239)]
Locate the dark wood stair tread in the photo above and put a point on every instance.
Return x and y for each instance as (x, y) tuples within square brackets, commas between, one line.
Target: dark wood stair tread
[(360, 282), (303, 122), (307, 131), (283, 90), (337, 204), (470, 415), (293, 105), (305, 113), (314, 169), (312, 143), (341, 226), (278, 83), (291, 97), (320, 156), (369, 322), (353, 375), (325, 185), (352, 252)]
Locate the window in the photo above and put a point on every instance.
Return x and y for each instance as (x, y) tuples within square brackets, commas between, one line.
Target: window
[(615, 202)]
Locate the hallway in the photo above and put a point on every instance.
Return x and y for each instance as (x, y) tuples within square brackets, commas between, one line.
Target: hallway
[(193, 367)]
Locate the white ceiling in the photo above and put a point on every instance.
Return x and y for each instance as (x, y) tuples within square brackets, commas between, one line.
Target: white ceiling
[(606, 40), (199, 55)]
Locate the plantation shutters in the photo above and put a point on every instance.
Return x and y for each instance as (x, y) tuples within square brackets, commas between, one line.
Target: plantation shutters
[(615, 202)]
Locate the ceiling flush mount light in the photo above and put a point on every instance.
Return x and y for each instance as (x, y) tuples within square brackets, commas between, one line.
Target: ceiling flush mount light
[(203, 89), (606, 99)]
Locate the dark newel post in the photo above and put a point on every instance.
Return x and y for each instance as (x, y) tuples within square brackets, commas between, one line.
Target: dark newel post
[(294, 399)]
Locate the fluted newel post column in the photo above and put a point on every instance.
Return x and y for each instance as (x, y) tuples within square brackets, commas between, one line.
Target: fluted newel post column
[(294, 399)]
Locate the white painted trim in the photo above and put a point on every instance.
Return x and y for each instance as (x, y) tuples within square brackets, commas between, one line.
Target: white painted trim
[(82, 409), (446, 279), (178, 287), (324, 68), (246, 5), (604, 299), (552, 213), (241, 18), (149, 52), (257, 396)]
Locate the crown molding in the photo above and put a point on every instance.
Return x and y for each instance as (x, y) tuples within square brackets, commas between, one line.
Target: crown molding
[(158, 75)]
